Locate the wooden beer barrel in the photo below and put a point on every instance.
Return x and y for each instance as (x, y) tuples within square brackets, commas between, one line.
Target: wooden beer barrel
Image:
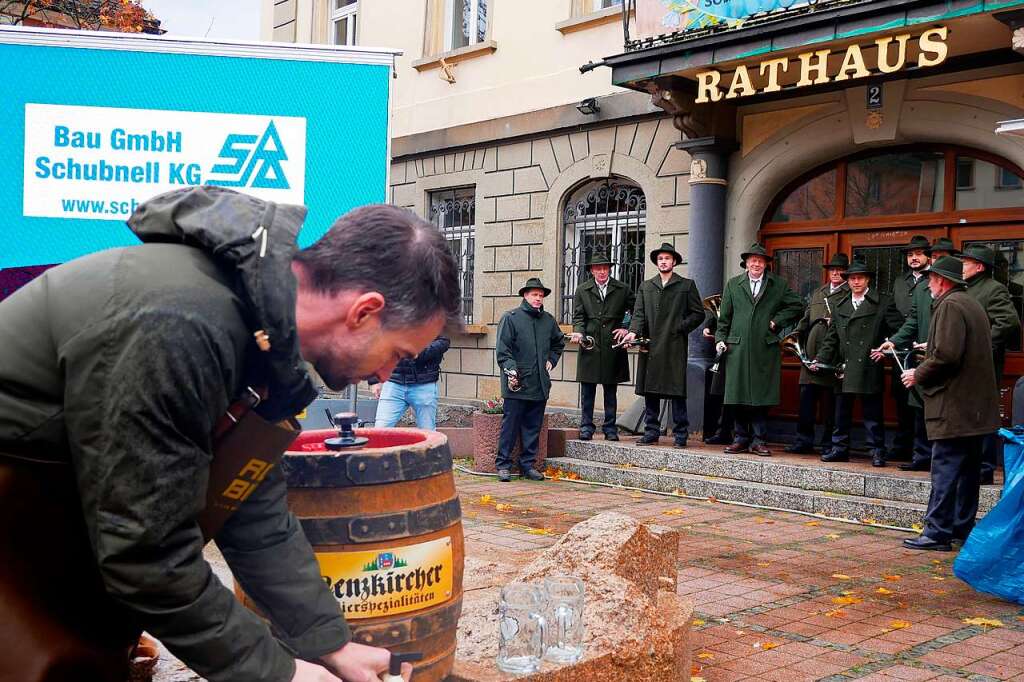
[(385, 523)]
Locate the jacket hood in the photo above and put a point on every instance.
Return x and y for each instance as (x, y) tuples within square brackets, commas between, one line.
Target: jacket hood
[(256, 239)]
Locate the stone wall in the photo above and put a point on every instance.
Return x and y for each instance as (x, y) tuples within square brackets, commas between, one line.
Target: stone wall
[(521, 188)]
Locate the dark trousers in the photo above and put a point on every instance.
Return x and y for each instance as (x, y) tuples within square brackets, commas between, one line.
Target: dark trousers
[(922, 447), (990, 454), (810, 396), (751, 424), (522, 419), (874, 423), (652, 416), (588, 393), (903, 443), (956, 472)]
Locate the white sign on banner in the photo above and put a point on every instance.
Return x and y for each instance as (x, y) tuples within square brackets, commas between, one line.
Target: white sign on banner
[(102, 162)]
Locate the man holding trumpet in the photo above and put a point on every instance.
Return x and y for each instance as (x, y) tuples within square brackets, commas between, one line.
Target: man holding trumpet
[(599, 312)]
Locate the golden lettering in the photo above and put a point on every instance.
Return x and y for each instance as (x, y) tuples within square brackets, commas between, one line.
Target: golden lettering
[(238, 490), (933, 52), (256, 467), (853, 60), (741, 85), (774, 66), (883, 53), (819, 68), (707, 87)]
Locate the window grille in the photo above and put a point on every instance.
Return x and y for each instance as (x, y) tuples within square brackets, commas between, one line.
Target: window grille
[(453, 211)]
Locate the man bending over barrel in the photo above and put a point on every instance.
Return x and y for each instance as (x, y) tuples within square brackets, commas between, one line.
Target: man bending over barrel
[(116, 371)]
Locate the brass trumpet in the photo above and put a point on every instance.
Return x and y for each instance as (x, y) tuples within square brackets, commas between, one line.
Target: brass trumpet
[(713, 304), (587, 343), (791, 343)]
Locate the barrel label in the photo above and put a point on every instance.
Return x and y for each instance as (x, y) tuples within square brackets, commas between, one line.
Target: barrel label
[(387, 582)]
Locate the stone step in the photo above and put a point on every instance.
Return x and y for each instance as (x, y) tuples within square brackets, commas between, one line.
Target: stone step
[(833, 505), (809, 474)]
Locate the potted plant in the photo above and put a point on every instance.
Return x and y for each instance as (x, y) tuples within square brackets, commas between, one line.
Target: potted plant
[(487, 428)]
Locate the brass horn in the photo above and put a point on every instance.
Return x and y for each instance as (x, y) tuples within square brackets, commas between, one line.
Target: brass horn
[(586, 343), (791, 343), (713, 304)]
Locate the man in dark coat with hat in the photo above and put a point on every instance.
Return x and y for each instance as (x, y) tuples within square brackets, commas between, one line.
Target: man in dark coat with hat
[(995, 299), (961, 405), (668, 307), (755, 307), (861, 321), (815, 387), (528, 347), (914, 302), (943, 246), (599, 309)]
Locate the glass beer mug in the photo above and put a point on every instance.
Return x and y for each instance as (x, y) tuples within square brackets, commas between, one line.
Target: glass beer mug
[(564, 616), (521, 628)]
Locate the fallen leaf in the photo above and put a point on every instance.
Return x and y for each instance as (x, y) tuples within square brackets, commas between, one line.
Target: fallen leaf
[(697, 622), (485, 499), (694, 669), (635, 496), (916, 527), (841, 576), (540, 531), (836, 613), (937, 562), (694, 678), (869, 521), (712, 498), (986, 622), (899, 624), (672, 512), (882, 590), (847, 593), (832, 536), (845, 601), (503, 507), (892, 578), (761, 519), (937, 577), (769, 645), (813, 523), (764, 564), (677, 491), (705, 656)]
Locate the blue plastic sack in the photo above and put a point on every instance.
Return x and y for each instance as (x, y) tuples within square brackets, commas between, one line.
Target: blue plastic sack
[(992, 559)]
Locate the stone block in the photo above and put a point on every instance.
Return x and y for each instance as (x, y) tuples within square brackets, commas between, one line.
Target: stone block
[(449, 163), (645, 131), (683, 189), (538, 204), (494, 283), (488, 387), (601, 140), (580, 146), (497, 184), (494, 234), (461, 386), (563, 151), (397, 175), (900, 489), (485, 210), (511, 258), (514, 155), (477, 361), (460, 440), (528, 232), (813, 478), (404, 195), (544, 156), (564, 393), (515, 207), (664, 139), (506, 303), (537, 257), (491, 159), (452, 360), (557, 439), (624, 136), (568, 363), (676, 162), (529, 179)]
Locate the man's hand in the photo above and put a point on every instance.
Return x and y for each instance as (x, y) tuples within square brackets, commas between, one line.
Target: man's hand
[(576, 337), (814, 366), (630, 337), (771, 325), (908, 378), (619, 334), (360, 663), (887, 346), (548, 366), (375, 390), (721, 347), (707, 333), (921, 346), (311, 672)]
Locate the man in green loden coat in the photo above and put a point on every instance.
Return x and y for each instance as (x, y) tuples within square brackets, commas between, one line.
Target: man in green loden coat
[(914, 302), (528, 347), (668, 307), (961, 405), (819, 388), (116, 369), (861, 321), (755, 307), (994, 297), (599, 310)]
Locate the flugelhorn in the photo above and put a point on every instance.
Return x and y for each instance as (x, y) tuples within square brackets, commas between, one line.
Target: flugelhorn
[(586, 343), (713, 304), (791, 343)]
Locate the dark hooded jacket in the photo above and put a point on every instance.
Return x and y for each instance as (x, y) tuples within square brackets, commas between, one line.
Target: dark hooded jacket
[(120, 363)]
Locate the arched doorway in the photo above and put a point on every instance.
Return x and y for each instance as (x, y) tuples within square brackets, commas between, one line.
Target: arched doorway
[(609, 215), (870, 204)]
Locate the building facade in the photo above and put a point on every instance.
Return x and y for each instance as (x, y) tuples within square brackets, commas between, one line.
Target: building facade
[(839, 126)]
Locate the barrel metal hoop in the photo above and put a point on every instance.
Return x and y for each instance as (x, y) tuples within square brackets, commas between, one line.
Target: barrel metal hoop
[(345, 530), (411, 629), (341, 470)]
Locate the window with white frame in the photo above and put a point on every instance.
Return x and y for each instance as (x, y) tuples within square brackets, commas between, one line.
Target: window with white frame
[(605, 4), (454, 213), (465, 23), (343, 21)]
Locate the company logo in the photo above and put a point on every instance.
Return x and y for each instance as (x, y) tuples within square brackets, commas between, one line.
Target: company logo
[(384, 562), (256, 161)]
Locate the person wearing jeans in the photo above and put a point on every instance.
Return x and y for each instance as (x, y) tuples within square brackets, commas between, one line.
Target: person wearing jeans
[(413, 383)]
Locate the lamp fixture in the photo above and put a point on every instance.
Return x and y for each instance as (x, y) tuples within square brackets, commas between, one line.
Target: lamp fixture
[(589, 106)]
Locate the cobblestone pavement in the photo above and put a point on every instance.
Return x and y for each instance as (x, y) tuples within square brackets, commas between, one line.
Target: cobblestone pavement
[(782, 596)]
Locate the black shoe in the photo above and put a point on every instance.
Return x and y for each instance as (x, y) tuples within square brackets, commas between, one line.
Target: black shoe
[(719, 439), (925, 542), (679, 443), (913, 466), (737, 447), (878, 459), (988, 478), (533, 475), (799, 449), (647, 439), (835, 456), (586, 436), (611, 436), (504, 475)]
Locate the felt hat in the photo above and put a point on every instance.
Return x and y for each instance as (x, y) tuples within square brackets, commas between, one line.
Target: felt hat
[(839, 260), (949, 268), (859, 267), (944, 244), (754, 250), (918, 241), (534, 283), (666, 248), (599, 258), (982, 254)]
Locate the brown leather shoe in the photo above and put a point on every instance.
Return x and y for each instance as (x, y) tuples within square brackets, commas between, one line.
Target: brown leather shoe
[(737, 447), (760, 450)]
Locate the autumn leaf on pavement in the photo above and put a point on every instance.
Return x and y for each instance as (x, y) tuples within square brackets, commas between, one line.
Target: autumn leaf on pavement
[(813, 523), (485, 499), (917, 527), (882, 590), (985, 622), (540, 531), (694, 678), (899, 624), (765, 646), (832, 536), (503, 507), (712, 498), (763, 564), (892, 578), (836, 613), (846, 601), (672, 512), (705, 656), (697, 622), (841, 576), (869, 521)]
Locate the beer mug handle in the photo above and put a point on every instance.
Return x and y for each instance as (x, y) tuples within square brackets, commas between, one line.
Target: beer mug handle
[(541, 636)]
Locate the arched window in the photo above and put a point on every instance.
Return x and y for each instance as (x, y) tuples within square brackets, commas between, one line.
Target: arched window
[(606, 215)]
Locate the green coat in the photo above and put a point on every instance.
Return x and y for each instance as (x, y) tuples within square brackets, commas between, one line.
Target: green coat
[(956, 376), (817, 309), (527, 339), (755, 362), (852, 335), (914, 301), (995, 299), (666, 316), (593, 317)]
